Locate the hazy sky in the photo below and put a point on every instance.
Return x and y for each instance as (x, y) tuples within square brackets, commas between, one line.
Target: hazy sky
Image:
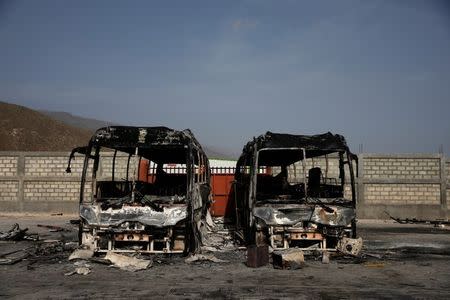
[(377, 72)]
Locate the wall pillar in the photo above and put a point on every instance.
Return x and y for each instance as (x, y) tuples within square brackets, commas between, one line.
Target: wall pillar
[(360, 185), (443, 179), (21, 180)]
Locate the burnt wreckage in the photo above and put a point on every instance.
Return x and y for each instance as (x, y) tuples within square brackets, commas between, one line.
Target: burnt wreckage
[(288, 195), (150, 190)]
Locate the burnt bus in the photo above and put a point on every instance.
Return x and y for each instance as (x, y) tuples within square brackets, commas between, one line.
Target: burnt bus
[(297, 191), (150, 190)]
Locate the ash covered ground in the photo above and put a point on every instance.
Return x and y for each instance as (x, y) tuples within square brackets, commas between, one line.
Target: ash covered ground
[(398, 261)]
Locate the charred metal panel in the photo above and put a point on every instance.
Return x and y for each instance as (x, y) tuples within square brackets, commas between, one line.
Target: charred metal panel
[(294, 214), (315, 145), (257, 256), (168, 216)]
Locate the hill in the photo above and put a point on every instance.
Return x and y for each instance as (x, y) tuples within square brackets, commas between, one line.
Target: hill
[(94, 124), (24, 129), (77, 121)]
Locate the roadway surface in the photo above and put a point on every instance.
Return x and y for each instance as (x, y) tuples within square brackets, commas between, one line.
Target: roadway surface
[(400, 261)]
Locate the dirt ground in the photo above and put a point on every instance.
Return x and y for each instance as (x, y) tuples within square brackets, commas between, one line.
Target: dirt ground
[(399, 261)]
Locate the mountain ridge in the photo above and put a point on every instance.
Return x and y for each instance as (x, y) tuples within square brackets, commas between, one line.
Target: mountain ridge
[(45, 130), (24, 129)]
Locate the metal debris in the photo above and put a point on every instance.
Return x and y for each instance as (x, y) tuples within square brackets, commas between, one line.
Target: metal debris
[(17, 234), (204, 257), (350, 246), (42, 250), (99, 260), (216, 236), (288, 259), (325, 257), (257, 256), (81, 254), (127, 263), (12, 259), (70, 246), (49, 248), (220, 242), (436, 223), (53, 228), (82, 268)]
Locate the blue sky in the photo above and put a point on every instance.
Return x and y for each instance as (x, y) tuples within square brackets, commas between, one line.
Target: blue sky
[(375, 71)]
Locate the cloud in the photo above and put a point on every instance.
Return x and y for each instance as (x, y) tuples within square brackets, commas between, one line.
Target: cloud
[(240, 24)]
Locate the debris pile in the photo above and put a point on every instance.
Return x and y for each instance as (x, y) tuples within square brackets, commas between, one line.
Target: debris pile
[(436, 223), (81, 268), (124, 262), (53, 228), (218, 247), (217, 236), (13, 257), (41, 251), (17, 234)]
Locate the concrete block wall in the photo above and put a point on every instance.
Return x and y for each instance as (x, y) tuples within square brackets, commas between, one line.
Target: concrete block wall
[(295, 173), (45, 166), (53, 191), (401, 168), (402, 185), (8, 165), (405, 186), (402, 194), (9, 191), (333, 167), (447, 165), (347, 191), (120, 166), (36, 182)]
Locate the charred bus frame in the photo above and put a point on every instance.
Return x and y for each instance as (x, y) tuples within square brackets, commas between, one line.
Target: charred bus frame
[(154, 209), (282, 204)]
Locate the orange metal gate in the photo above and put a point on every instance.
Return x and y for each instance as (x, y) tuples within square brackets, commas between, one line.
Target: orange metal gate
[(221, 184)]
